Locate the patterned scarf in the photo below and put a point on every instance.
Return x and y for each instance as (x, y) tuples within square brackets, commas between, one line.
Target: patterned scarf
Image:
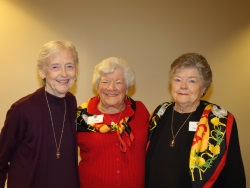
[(122, 128), (209, 148)]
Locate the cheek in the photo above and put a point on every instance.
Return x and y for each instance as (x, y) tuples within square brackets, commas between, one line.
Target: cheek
[(197, 93), (73, 75), (173, 89), (73, 79), (100, 90), (123, 91), (49, 78)]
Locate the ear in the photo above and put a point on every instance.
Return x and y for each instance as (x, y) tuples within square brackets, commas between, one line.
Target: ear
[(127, 90), (204, 90), (42, 74)]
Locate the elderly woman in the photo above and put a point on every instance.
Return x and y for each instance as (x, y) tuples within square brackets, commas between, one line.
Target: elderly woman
[(192, 143), (112, 130), (38, 146)]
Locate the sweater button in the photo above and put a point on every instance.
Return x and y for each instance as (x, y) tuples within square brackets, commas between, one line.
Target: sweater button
[(118, 172)]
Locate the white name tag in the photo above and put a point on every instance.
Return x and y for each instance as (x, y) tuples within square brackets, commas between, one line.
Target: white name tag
[(193, 125), (95, 119)]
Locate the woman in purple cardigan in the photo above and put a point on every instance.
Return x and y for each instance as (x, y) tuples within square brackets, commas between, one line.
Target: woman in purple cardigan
[(38, 141)]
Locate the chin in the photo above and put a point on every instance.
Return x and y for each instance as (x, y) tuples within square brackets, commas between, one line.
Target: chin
[(63, 91)]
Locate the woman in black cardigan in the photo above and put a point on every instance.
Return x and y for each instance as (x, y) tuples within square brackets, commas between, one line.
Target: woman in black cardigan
[(193, 143)]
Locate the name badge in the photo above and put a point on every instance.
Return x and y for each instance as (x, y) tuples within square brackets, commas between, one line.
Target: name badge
[(193, 125), (95, 119)]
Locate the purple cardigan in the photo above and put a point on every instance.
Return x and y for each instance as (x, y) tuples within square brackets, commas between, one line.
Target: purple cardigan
[(23, 141)]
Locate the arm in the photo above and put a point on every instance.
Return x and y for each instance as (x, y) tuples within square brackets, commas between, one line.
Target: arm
[(233, 174), (3, 164), (9, 140)]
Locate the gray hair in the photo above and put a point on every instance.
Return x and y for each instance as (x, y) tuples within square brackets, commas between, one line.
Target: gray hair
[(193, 60), (109, 65), (52, 48)]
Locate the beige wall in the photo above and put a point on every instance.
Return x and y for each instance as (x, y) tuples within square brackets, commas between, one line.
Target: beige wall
[(148, 34)]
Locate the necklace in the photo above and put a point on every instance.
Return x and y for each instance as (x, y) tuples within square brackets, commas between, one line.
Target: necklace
[(58, 145), (113, 120), (174, 136)]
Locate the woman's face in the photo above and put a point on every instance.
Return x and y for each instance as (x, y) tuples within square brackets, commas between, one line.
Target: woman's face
[(187, 87), (59, 72), (112, 89)]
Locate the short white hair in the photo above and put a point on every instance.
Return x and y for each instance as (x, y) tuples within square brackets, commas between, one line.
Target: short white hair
[(109, 65), (52, 48)]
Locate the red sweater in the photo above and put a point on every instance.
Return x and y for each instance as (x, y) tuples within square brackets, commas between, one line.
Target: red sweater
[(104, 165)]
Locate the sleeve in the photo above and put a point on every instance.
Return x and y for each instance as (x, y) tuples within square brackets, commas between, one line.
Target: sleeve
[(9, 139), (233, 174)]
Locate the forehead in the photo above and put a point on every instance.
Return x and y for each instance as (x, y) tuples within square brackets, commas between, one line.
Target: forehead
[(62, 56), (116, 74), (187, 72)]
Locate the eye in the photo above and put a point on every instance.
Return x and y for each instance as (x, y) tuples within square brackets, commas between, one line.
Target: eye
[(55, 67), (70, 67), (104, 82), (119, 82), (193, 81), (177, 79)]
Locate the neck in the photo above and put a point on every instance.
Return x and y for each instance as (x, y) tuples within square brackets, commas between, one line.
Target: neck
[(186, 108), (110, 109), (60, 95)]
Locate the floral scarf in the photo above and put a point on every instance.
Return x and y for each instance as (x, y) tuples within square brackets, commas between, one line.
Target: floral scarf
[(209, 148), (122, 128)]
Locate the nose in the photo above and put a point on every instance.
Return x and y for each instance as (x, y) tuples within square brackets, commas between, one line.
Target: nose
[(63, 71), (112, 86), (183, 84)]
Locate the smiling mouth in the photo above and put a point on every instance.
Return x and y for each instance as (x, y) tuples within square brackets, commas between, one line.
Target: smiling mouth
[(63, 81), (111, 95)]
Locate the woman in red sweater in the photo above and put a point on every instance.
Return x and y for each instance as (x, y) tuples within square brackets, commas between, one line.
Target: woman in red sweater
[(112, 130)]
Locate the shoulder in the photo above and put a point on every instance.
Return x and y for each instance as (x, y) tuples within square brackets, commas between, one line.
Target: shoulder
[(140, 107), (25, 105), (140, 104), (69, 96), (90, 103), (160, 109), (216, 109), (26, 101)]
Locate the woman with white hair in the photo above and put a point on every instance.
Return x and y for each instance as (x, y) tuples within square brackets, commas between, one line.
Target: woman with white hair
[(38, 146), (112, 130)]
